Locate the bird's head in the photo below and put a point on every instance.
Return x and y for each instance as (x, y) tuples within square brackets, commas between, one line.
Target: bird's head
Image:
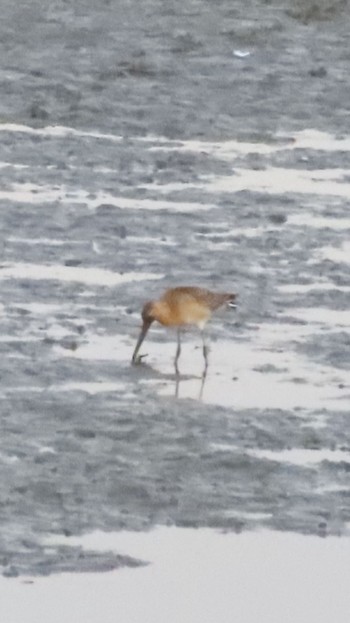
[(148, 313)]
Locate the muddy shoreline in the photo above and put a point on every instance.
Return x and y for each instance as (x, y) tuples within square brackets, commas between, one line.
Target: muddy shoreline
[(175, 162)]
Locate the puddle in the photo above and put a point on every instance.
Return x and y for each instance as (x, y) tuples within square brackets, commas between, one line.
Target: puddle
[(91, 276), (261, 374), (280, 181), (227, 150), (319, 222), (91, 388), (254, 391), (305, 288), (295, 456), (57, 131), (41, 195), (219, 577), (334, 319), (300, 456), (50, 242), (101, 348), (341, 255)]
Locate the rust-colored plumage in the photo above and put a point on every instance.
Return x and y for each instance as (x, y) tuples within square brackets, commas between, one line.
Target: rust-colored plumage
[(177, 307)]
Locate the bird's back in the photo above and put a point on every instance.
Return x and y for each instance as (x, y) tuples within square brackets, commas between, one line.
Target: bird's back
[(206, 298), (193, 305)]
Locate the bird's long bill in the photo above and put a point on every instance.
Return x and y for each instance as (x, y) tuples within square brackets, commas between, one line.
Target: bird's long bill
[(145, 327)]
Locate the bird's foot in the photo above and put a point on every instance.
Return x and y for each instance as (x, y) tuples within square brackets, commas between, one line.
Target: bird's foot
[(138, 360)]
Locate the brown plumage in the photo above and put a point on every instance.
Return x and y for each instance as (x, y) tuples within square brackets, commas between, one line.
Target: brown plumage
[(177, 307)]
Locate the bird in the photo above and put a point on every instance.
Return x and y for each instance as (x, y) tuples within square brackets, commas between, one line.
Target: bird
[(181, 306)]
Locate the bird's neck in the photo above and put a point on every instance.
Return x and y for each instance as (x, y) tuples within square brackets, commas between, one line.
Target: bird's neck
[(162, 313)]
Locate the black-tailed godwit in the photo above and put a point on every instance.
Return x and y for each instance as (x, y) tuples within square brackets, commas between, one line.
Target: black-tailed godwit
[(177, 307)]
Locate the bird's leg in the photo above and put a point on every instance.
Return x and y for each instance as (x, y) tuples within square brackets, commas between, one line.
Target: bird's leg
[(205, 353), (200, 395), (178, 351), (177, 386)]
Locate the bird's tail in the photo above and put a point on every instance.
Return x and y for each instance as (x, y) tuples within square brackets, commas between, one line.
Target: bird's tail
[(217, 299), (231, 300)]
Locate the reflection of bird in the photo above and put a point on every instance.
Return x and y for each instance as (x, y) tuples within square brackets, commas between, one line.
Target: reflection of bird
[(179, 307)]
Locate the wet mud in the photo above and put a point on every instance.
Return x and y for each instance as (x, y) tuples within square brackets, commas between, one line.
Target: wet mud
[(142, 148)]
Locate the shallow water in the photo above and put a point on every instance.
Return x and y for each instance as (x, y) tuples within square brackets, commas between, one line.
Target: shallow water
[(194, 576)]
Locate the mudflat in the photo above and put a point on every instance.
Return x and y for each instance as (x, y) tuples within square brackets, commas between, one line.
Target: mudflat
[(145, 146)]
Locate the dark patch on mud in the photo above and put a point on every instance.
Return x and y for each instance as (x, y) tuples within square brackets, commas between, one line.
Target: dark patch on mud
[(34, 559)]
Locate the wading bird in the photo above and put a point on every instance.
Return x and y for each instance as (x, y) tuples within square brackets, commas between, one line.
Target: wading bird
[(179, 307)]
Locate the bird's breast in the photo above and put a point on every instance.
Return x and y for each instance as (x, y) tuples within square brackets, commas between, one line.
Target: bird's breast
[(187, 313)]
